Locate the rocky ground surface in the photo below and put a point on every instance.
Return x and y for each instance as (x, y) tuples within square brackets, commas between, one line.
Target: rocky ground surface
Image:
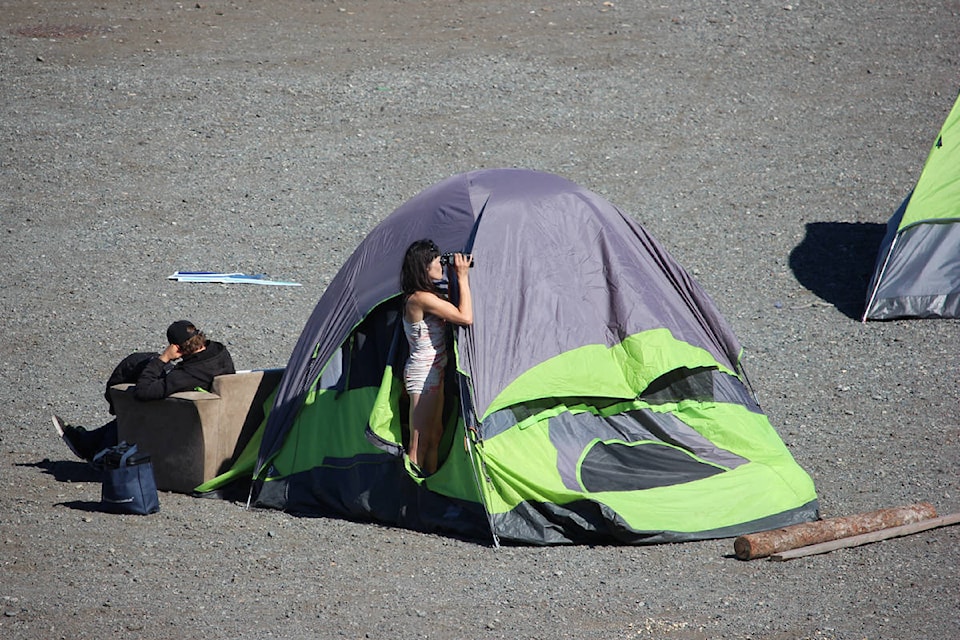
[(765, 144)]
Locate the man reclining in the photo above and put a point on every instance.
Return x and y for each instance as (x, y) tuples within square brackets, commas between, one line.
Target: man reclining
[(190, 362)]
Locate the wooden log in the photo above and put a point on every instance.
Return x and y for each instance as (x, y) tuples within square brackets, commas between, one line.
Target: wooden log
[(766, 543), (866, 538)]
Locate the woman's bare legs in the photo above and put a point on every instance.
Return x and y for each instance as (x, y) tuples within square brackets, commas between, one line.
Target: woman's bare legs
[(413, 449), (426, 428)]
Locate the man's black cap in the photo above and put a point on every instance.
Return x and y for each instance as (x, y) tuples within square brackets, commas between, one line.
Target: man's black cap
[(180, 331)]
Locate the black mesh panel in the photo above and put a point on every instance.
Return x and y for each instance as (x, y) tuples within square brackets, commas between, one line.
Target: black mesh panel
[(620, 467)]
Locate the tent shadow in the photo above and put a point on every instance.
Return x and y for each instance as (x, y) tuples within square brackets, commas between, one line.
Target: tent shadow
[(835, 261)]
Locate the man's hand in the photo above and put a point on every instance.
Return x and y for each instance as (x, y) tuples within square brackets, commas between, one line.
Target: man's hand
[(172, 352)]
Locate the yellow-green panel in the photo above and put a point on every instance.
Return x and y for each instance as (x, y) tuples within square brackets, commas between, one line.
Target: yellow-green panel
[(521, 465), (936, 196), (385, 417), (621, 371), (328, 426)]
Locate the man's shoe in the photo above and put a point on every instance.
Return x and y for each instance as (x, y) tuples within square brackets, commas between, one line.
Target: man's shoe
[(69, 435)]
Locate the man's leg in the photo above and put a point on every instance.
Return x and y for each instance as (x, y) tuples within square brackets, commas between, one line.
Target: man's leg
[(83, 443)]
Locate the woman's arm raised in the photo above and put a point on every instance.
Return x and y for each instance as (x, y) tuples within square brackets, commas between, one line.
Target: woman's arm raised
[(461, 314)]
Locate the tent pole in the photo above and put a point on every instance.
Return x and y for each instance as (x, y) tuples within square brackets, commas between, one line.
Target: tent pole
[(876, 284), (476, 478), (469, 430), (746, 380)]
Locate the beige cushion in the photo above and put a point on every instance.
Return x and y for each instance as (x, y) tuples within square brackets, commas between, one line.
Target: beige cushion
[(194, 436)]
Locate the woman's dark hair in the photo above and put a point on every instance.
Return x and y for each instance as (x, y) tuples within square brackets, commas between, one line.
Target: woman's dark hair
[(413, 276)]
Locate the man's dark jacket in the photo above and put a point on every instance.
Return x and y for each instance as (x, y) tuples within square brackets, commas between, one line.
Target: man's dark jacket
[(155, 379)]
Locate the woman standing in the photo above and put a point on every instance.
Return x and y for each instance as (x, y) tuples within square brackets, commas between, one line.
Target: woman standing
[(425, 314)]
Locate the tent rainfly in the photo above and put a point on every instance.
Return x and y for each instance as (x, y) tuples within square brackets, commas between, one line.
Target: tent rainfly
[(597, 398)]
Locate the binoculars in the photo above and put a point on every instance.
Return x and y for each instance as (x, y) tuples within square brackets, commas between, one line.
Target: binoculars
[(447, 258)]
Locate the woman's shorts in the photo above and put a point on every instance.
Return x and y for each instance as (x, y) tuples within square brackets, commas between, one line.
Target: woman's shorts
[(424, 376)]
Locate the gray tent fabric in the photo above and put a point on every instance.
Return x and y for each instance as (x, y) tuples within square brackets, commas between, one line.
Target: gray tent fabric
[(917, 273), (596, 287)]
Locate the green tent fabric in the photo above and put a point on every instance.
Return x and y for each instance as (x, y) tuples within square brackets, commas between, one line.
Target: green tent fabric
[(917, 274), (597, 398)]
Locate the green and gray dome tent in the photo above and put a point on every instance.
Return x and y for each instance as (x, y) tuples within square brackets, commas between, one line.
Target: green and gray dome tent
[(917, 274), (597, 397)]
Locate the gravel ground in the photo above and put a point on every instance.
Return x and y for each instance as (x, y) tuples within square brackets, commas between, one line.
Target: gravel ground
[(765, 144)]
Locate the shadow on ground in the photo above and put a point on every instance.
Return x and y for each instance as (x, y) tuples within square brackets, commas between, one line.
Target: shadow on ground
[(70, 471), (66, 470), (835, 261)]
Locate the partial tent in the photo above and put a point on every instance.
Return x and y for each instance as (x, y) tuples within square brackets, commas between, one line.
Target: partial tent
[(917, 273)]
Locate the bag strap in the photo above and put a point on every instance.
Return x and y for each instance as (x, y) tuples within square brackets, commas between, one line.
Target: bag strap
[(98, 459), (126, 456)]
